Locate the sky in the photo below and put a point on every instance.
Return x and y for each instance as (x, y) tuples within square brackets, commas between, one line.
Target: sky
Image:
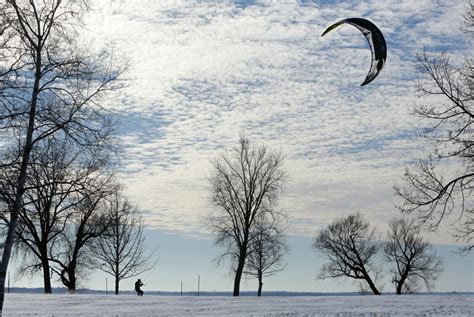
[(203, 72)]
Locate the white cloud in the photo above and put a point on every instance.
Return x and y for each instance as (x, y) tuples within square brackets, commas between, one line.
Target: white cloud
[(203, 71)]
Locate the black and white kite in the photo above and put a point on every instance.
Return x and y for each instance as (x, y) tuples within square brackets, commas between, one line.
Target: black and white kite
[(376, 41)]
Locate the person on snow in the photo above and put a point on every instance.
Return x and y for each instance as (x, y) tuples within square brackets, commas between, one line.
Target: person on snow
[(138, 284)]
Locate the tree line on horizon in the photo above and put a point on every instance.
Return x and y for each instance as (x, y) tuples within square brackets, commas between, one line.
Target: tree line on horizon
[(63, 211)]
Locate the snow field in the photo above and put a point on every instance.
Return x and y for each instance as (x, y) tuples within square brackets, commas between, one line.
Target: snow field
[(276, 306)]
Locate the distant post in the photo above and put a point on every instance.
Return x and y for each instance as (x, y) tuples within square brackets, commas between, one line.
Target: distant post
[(8, 283), (181, 288), (106, 287), (199, 283)]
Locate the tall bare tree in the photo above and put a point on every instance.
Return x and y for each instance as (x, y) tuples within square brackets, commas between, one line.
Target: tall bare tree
[(431, 190), (267, 250), (53, 86), (246, 185), (120, 251), (350, 246), (412, 258)]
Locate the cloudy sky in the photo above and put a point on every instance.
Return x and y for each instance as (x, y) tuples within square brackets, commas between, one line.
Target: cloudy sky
[(204, 71)]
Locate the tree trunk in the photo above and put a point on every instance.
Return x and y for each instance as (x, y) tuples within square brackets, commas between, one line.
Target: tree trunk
[(65, 278), (7, 248), (8, 245), (372, 286), (117, 281), (72, 281), (399, 288), (260, 284), (3, 269), (238, 272), (401, 282), (46, 277), (238, 277), (366, 277)]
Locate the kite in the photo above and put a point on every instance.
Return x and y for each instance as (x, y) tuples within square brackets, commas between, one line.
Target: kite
[(376, 41)]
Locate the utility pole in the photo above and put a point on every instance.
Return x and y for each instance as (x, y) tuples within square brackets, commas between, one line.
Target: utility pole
[(199, 283)]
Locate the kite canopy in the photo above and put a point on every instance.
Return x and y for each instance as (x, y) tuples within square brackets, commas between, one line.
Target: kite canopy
[(376, 41)]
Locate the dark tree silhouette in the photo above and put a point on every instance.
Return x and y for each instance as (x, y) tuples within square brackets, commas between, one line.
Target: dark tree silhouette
[(412, 258), (72, 255), (40, 218), (266, 250), (62, 189), (120, 251), (50, 85), (245, 186), (431, 190), (349, 245)]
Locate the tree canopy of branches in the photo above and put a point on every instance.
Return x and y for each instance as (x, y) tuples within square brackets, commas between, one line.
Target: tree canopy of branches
[(412, 257), (50, 85), (246, 185), (59, 185), (120, 251), (431, 189), (266, 251), (63, 189), (84, 222), (72, 258), (349, 245)]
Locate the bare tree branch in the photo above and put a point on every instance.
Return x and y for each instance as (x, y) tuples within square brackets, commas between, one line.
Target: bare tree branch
[(432, 190), (410, 256)]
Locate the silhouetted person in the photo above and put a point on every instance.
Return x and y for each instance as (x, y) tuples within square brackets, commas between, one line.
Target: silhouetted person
[(138, 284)]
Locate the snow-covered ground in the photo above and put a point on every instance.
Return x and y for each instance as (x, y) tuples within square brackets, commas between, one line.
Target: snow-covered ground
[(128, 305)]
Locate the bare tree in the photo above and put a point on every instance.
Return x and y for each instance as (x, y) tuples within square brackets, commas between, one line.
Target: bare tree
[(72, 255), (350, 246), (42, 227), (266, 250), (246, 186), (53, 87), (62, 188), (432, 190), (413, 259), (120, 251)]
